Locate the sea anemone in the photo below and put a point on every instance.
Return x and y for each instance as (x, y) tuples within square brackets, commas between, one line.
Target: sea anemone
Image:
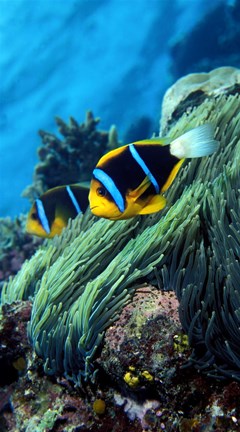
[(81, 280)]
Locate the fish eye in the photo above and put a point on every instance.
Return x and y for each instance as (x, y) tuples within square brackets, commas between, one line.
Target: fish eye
[(101, 191), (34, 216)]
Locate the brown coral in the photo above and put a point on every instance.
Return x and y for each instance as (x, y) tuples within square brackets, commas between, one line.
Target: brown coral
[(72, 159)]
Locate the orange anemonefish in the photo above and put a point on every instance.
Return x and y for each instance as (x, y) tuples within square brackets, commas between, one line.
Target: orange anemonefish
[(130, 180), (50, 213)]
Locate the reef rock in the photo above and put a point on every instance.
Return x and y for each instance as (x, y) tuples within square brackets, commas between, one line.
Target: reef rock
[(134, 355), (191, 90)]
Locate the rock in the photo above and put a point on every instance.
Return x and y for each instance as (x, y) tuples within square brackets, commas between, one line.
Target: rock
[(193, 89)]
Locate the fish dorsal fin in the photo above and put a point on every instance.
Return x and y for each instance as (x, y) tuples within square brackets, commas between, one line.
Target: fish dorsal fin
[(154, 141), (156, 204), (136, 193), (110, 155)]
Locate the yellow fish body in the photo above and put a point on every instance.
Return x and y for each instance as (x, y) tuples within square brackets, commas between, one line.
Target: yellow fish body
[(130, 180)]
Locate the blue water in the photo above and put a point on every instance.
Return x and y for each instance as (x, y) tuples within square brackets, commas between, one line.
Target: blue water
[(65, 57)]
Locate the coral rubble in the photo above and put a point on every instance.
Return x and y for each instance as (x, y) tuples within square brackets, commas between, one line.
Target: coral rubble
[(72, 159)]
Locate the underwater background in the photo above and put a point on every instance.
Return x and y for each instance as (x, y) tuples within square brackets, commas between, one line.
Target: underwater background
[(115, 57), (129, 325)]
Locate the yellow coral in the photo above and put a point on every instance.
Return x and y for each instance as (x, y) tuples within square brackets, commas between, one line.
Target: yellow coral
[(99, 406), (145, 374), (131, 380)]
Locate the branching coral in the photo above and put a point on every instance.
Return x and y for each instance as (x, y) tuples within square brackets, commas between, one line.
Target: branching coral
[(72, 159), (87, 274)]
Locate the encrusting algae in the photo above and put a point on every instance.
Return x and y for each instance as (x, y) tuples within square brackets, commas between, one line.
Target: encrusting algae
[(80, 281)]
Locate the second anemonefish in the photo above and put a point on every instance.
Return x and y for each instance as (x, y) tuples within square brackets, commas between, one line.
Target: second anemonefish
[(130, 180), (50, 213)]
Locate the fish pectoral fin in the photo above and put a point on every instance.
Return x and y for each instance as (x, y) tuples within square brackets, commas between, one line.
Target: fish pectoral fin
[(136, 193), (57, 226), (157, 203)]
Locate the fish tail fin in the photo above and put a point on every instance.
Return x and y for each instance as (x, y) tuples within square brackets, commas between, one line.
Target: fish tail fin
[(197, 142)]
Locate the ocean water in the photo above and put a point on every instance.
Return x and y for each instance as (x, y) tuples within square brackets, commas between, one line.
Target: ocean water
[(63, 57)]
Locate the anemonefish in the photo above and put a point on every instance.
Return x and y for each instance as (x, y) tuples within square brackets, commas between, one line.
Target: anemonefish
[(50, 213), (131, 179)]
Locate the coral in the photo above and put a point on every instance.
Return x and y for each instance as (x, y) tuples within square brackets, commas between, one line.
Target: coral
[(131, 379), (99, 406), (82, 280), (138, 411), (138, 350), (72, 159), (79, 295), (15, 246), (191, 90), (135, 379), (14, 343), (180, 342), (39, 404), (186, 402)]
